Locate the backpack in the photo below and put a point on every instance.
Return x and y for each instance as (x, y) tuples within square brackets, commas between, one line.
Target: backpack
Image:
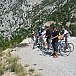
[(70, 32)]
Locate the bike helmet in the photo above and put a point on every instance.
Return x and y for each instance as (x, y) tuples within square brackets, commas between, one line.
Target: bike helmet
[(40, 27)]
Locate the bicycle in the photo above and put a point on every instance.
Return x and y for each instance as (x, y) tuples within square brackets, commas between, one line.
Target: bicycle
[(35, 43), (63, 49), (46, 50), (72, 46), (38, 42)]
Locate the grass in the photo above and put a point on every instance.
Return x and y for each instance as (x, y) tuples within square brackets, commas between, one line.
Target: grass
[(27, 65), (31, 70), (37, 75), (18, 69), (1, 53), (35, 64), (9, 62), (1, 68), (12, 59), (40, 69), (15, 66)]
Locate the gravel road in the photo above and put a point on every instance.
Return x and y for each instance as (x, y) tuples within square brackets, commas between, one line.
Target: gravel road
[(47, 65)]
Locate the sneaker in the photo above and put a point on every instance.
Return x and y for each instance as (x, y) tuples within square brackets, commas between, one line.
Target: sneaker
[(55, 56)]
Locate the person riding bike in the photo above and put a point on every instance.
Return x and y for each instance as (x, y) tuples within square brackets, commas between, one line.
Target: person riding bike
[(64, 34), (40, 35), (40, 30)]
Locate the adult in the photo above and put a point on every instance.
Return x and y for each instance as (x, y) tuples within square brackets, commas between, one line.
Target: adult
[(40, 30), (55, 41), (33, 35), (64, 34), (48, 36)]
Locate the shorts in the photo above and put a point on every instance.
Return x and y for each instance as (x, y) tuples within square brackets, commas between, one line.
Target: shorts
[(55, 46)]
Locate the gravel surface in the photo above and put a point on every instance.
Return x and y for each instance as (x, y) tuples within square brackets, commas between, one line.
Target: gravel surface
[(47, 65)]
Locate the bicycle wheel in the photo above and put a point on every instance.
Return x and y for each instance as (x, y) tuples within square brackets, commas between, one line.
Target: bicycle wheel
[(71, 46), (65, 51), (43, 52)]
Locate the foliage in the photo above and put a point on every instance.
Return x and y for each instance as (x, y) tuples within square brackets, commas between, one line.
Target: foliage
[(31, 70), (59, 11), (8, 62), (73, 29), (21, 34), (62, 13)]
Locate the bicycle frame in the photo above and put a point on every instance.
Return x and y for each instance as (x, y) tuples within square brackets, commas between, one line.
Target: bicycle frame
[(64, 49)]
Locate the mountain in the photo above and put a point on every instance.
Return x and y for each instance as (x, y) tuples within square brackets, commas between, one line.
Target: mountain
[(57, 10), (12, 15), (18, 17), (61, 12)]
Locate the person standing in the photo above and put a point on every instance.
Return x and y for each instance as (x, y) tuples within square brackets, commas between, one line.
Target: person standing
[(33, 35), (48, 36), (55, 41)]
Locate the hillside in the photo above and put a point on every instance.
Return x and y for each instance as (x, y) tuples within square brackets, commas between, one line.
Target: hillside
[(18, 17)]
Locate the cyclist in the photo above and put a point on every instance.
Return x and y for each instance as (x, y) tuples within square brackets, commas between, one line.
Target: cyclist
[(44, 36), (40, 30), (64, 34), (55, 41), (33, 35), (43, 32), (48, 36)]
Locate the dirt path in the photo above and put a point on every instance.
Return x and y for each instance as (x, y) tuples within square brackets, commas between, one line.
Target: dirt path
[(47, 65)]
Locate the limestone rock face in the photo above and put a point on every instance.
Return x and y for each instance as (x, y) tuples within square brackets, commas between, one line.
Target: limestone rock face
[(13, 15)]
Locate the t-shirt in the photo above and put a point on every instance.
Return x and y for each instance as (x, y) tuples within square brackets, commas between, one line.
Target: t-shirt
[(65, 32), (43, 33), (55, 33), (48, 33)]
